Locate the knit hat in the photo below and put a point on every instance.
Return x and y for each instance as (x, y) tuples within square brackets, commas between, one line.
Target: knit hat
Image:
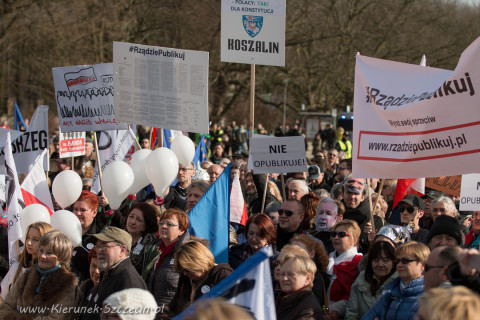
[(131, 304), (397, 234), (446, 225)]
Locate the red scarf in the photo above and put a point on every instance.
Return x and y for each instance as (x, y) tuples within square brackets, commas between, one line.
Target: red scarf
[(164, 251), (346, 273)]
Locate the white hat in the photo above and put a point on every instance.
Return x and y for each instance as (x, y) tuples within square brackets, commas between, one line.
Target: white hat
[(132, 304)]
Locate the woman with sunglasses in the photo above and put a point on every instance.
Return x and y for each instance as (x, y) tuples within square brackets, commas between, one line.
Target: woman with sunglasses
[(343, 264), (162, 280), (368, 288), (400, 297)]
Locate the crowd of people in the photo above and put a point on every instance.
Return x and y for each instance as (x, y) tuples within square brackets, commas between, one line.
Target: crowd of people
[(335, 255)]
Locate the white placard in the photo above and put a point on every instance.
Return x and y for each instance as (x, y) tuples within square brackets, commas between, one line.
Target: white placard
[(72, 144), (84, 97), (277, 154), (161, 87), (412, 121), (253, 32), (470, 192)]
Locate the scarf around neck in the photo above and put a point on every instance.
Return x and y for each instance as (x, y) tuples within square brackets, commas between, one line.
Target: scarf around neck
[(44, 274)]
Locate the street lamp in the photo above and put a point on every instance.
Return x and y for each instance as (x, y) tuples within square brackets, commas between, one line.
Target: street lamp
[(285, 82)]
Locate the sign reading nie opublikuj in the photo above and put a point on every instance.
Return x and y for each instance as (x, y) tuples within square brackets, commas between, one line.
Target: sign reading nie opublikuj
[(161, 87), (84, 97), (253, 32), (277, 154), (413, 121)]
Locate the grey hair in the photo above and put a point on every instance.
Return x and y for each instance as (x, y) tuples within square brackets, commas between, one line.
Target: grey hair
[(327, 200), (447, 202), (302, 183)]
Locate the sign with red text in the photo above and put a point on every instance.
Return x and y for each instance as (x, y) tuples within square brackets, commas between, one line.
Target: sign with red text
[(277, 154), (84, 96), (413, 121), (253, 32), (72, 144)]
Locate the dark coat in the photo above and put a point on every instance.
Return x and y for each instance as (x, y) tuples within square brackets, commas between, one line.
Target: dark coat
[(255, 206), (122, 276), (283, 237), (138, 251), (300, 305), (182, 298), (162, 282), (57, 289)]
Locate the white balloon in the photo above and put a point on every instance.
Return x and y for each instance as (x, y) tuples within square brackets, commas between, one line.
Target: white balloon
[(31, 214), (184, 149), (162, 169), (67, 188), (138, 164), (116, 182), (68, 223)]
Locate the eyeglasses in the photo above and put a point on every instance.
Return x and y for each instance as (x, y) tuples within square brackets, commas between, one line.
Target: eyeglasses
[(405, 260), (403, 208), (103, 247), (167, 223), (288, 213), (428, 267), (341, 234)]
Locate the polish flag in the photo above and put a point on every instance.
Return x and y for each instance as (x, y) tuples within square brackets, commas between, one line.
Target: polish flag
[(35, 186), (408, 186), (238, 210)]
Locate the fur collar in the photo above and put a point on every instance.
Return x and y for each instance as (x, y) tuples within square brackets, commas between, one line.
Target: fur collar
[(52, 290)]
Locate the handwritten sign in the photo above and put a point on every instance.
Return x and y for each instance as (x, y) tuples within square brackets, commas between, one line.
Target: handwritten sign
[(84, 97), (72, 144), (161, 87), (449, 185), (277, 154), (470, 193)]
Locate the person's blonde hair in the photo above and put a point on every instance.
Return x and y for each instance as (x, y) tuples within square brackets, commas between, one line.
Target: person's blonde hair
[(193, 256), (351, 226), (413, 248), (61, 246), (25, 259), (455, 303), (290, 249), (301, 264), (217, 309)]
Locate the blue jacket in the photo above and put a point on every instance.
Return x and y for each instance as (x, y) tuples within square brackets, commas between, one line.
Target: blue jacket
[(395, 304)]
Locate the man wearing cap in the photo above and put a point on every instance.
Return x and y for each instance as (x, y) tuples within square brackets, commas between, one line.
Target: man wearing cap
[(411, 210), (445, 232), (315, 177), (117, 272)]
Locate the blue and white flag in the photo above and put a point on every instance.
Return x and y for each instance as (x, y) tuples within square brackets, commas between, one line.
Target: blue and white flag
[(19, 124), (249, 286), (200, 153), (210, 218)]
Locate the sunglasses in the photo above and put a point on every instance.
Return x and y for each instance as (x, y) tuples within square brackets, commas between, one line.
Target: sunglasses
[(427, 267), (288, 213), (403, 208), (405, 261), (341, 234)]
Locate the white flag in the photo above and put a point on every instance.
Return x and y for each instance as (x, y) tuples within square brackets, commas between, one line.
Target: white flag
[(35, 186), (249, 286), (15, 202)]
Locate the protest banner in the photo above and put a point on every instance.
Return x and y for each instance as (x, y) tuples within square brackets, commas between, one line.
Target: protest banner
[(470, 192), (448, 185), (113, 145), (253, 32), (161, 87), (277, 154), (31, 143), (405, 124), (72, 144), (84, 96)]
